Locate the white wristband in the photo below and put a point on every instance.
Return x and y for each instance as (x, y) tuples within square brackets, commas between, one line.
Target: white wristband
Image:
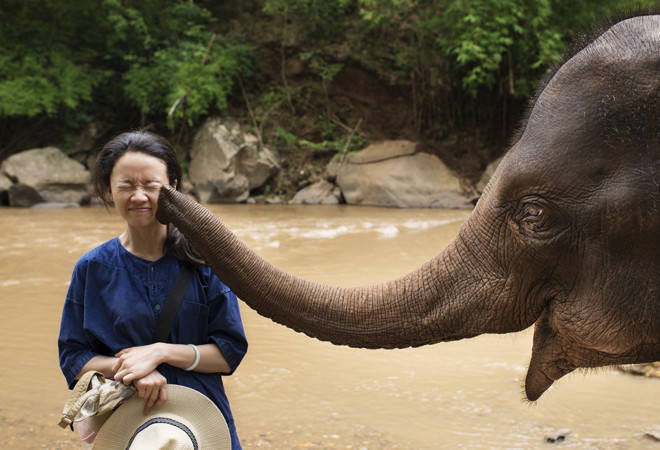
[(192, 367)]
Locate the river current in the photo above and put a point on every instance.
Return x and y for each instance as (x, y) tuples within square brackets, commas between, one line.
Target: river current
[(292, 391)]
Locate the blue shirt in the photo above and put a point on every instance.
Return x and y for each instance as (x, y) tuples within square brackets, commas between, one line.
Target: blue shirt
[(114, 300)]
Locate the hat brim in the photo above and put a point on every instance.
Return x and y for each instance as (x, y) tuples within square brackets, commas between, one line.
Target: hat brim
[(184, 405)]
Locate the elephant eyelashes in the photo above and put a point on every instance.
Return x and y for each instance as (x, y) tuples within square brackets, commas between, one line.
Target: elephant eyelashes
[(532, 213), (534, 221)]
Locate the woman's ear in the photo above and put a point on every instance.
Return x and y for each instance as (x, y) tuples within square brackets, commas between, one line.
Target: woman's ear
[(110, 195), (174, 184)]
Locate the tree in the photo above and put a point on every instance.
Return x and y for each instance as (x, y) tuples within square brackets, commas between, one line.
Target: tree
[(65, 63)]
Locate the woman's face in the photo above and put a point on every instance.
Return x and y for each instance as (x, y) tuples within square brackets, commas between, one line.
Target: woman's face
[(135, 184)]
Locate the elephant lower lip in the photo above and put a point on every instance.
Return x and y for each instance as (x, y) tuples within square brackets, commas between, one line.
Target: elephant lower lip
[(536, 383)]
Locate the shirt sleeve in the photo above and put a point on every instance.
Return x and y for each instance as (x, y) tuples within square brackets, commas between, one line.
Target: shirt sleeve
[(74, 349), (225, 325)]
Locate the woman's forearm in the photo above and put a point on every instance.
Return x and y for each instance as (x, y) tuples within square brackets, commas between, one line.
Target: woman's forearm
[(211, 359), (99, 363), (136, 362)]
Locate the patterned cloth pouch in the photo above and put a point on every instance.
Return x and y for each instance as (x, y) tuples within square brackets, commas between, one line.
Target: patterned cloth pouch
[(91, 402)]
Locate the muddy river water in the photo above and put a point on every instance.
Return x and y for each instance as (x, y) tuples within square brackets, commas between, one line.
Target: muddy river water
[(292, 391)]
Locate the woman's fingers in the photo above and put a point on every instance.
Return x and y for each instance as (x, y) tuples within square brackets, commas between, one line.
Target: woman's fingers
[(151, 400), (152, 388), (162, 396)]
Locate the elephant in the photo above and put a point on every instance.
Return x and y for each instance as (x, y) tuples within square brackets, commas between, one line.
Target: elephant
[(565, 236)]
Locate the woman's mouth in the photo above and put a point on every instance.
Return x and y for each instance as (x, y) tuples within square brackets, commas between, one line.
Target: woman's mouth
[(140, 209)]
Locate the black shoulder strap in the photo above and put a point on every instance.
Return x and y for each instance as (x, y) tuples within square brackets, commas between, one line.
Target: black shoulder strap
[(172, 302)]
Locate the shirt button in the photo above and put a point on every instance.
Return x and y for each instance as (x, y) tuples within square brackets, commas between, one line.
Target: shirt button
[(157, 307), (152, 269)]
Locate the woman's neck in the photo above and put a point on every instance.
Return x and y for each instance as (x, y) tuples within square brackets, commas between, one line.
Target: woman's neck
[(145, 243)]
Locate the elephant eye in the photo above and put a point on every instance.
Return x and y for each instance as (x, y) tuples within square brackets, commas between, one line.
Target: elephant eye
[(538, 219), (532, 213)]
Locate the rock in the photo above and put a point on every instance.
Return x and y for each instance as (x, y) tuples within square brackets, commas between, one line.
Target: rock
[(83, 147), (557, 437), (319, 193), (383, 151), (189, 187), (652, 437), (54, 205), (51, 173), (226, 162), (23, 196), (332, 168), (86, 139), (488, 173), (275, 200), (391, 174), (5, 184), (645, 370), (257, 165)]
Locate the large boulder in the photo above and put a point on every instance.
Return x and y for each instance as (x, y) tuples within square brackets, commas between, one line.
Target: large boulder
[(5, 184), (226, 163), (393, 174), (320, 193), (48, 171), (23, 196)]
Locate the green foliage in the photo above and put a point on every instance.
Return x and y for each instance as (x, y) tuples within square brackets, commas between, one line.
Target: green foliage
[(41, 83), (320, 17), (159, 58), (183, 81), (326, 71), (470, 65), (181, 74), (483, 33), (380, 13), (39, 73), (467, 64), (342, 144), (285, 138), (513, 40), (467, 60)]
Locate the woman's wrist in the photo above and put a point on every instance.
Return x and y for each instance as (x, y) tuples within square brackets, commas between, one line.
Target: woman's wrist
[(183, 356), (196, 361), (161, 352)]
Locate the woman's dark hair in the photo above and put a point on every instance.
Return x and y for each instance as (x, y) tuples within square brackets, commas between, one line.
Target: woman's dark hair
[(153, 145)]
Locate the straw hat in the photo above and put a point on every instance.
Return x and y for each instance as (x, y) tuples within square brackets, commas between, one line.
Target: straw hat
[(187, 420)]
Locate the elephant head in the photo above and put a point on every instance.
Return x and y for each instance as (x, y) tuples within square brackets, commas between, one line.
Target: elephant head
[(566, 236)]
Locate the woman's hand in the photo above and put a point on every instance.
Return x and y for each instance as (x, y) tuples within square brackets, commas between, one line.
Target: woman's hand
[(137, 362), (152, 388)]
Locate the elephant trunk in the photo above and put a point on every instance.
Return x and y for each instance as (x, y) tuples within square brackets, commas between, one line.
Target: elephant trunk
[(416, 309)]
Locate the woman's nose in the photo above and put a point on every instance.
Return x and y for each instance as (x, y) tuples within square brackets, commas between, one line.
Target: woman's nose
[(140, 193)]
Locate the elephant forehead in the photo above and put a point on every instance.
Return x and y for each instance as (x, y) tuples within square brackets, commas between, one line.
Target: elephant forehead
[(573, 157), (592, 127), (606, 94)]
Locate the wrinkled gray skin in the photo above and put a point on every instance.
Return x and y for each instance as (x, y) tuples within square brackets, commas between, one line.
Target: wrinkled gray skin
[(566, 236)]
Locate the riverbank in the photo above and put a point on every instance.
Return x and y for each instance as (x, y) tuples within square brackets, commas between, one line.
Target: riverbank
[(226, 165)]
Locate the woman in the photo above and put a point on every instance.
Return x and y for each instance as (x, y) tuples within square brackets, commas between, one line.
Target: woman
[(118, 289)]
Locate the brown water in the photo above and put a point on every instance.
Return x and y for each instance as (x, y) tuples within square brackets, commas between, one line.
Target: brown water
[(295, 392)]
